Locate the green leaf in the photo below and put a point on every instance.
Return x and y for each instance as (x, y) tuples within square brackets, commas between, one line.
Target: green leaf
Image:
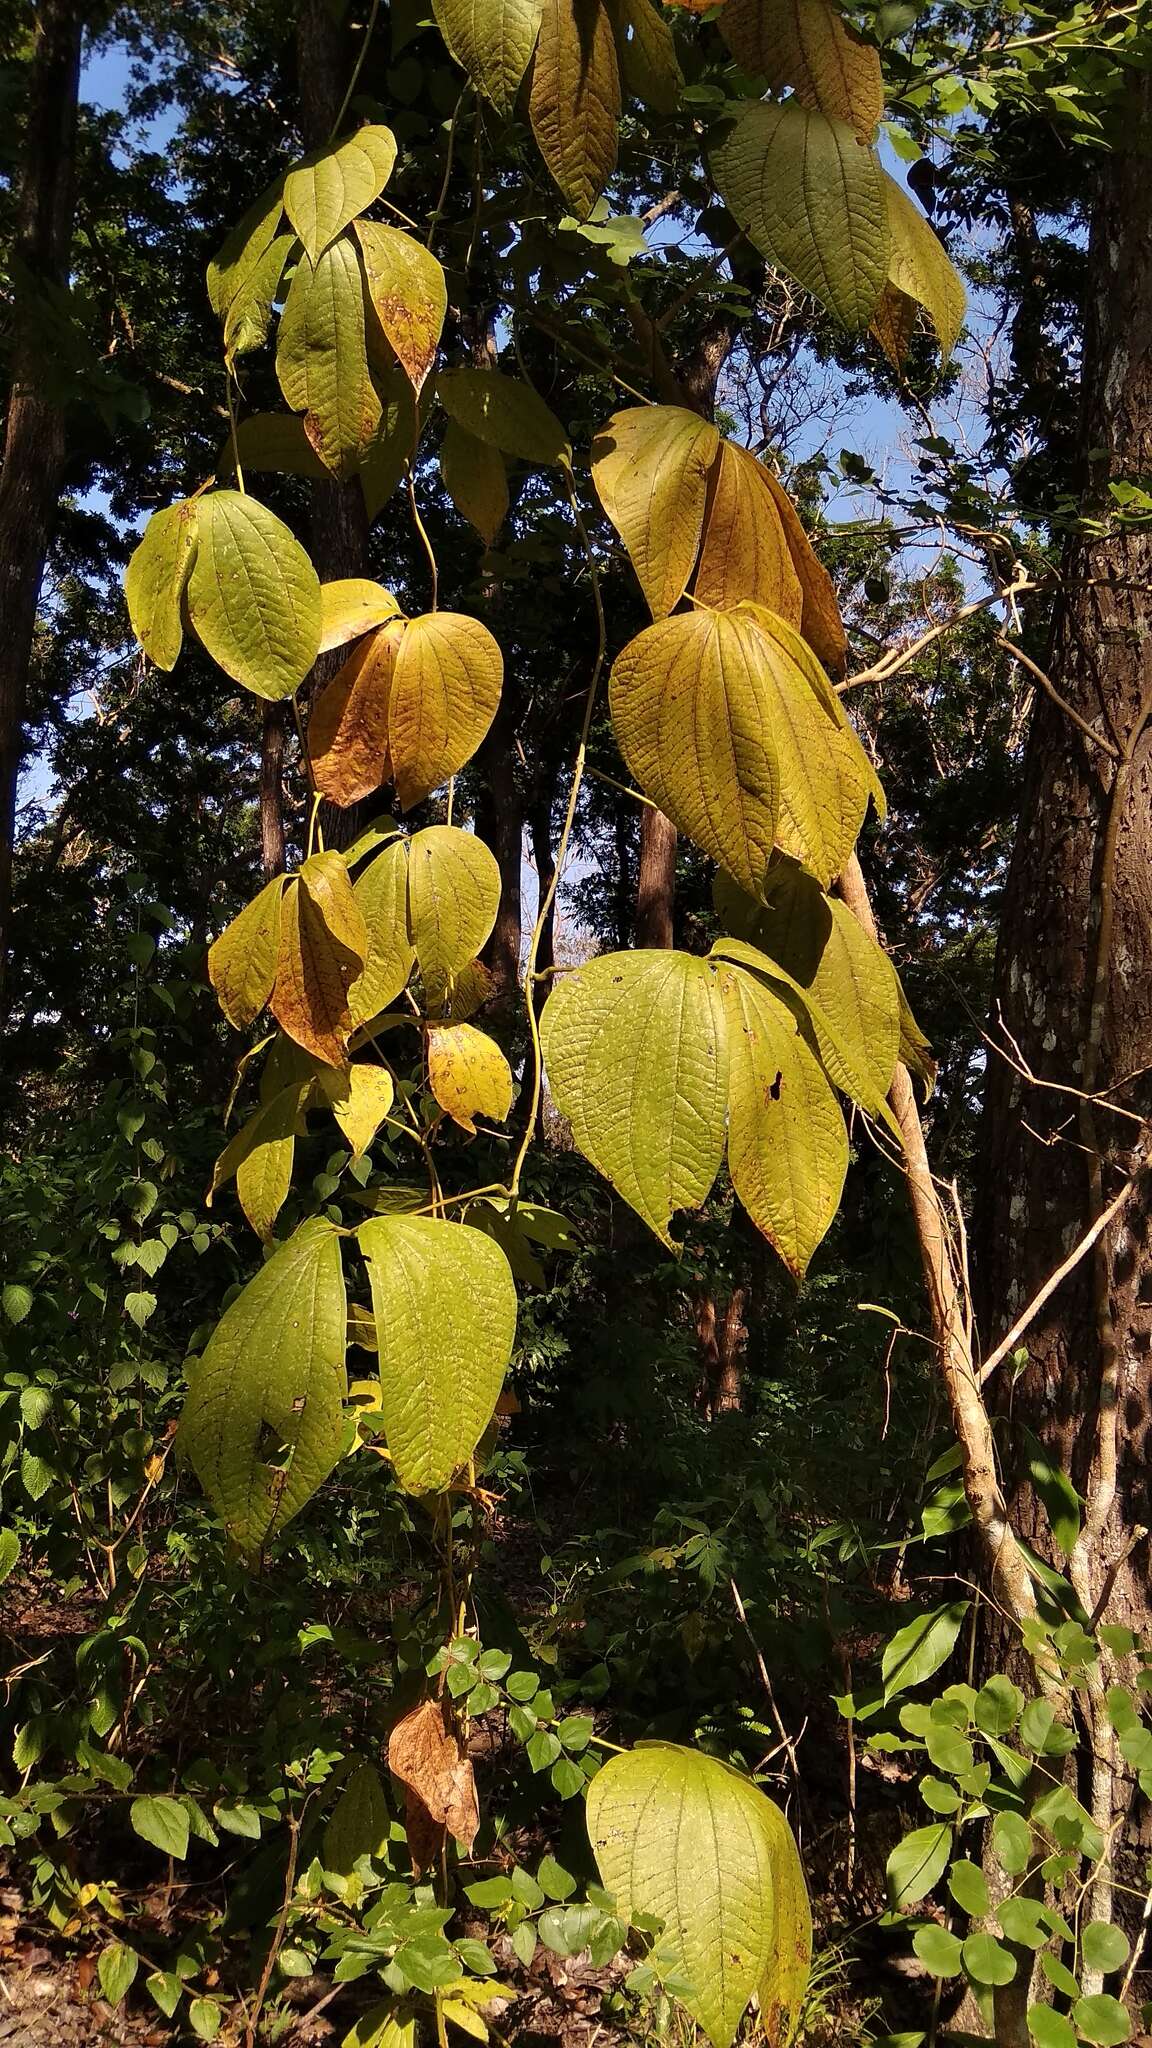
[(998, 1704), (650, 466), (504, 412), (1021, 1922), (921, 1647), (330, 187), (264, 1173), (987, 1961), (17, 1301), (920, 269), (250, 313), (271, 441), (408, 294), (969, 1888), (1102, 2020), (574, 102), (812, 199), (248, 242), (272, 1376), (238, 1819), (647, 51), (116, 1967), (155, 581), (140, 1305), (636, 1051), (381, 890), (787, 1145), (397, 440), (9, 1553), (807, 45), (253, 595), (680, 1836), (205, 2018), (475, 479), (359, 1822), (1050, 2029), (554, 1881), (493, 41), (1103, 1946), (939, 1951), (1059, 1496), (445, 1307), (917, 1863), (165, 1988), (453, 898), (1012, 1842), (322, 361), (446, 686), (163, 1822)]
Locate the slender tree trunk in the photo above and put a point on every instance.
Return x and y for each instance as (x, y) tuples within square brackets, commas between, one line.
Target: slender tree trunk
[(34, 443), (500, 824), (272, 854), (656, 881), (1074, 996)]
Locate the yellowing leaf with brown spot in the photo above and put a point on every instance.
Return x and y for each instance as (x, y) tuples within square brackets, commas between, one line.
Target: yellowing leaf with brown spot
[(574, 103), (894, 323), (920, 267), (382, 893), (326, 191), (408, 294), (650, 467), (445, 689), (820, 622), (807, 45), (242, 961), (359, 1100), (348, 728), (745, 553), (468, 1074), (453, 898), (787, 1145), (351, 607), (692, 703), (323, 943), (475, 479)]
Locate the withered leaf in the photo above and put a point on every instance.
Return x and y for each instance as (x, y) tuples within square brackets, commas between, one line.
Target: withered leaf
[(323, 944), (425, 1754), (348, 729)]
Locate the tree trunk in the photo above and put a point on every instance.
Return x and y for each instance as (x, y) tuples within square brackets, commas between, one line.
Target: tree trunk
[(1074, 996), (656, 881), (500, 824), (34, 445), (272, 852)]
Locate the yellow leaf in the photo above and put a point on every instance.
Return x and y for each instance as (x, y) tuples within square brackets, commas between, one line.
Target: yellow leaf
[(264, 1175), (574, 104), (894, 323), (244, 247), (745, 553), (462, 2016), (408, 294), (253, 595), (156, 578), (445, 689), (453, 898), (650, 467), (475, 480), (856, 767), (348, 728), (807, 45), (242, 962), (326, 191), (468, 1074), (787, 1145), (350, 607), (920, 267), (322, 947), (249, 315), (820, 622), (382, 893), (322, 358), (693, 705), (359, 1100)]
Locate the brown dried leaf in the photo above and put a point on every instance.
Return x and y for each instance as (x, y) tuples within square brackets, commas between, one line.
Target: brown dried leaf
[(348, 729), (425, 1754)]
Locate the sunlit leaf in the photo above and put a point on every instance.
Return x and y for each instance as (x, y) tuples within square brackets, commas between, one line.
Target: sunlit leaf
[(249, 315), (348, 726), (359, 1822), (647, 53), (264, 1415), (242, 962), (650, 467), (381, 891), (493, 41), (244, 247), (744, 553), (330, 187), (408, 295), (684, 1838), (820, 622), (636, 1056), (351, 607), (156, 578), (323, 943), (359, 1100), (574, 103), (445, 689), (920, 268), (468, 1074), (253, 595), (322, 360), (453, 898), (807, 45), (445, 1308)]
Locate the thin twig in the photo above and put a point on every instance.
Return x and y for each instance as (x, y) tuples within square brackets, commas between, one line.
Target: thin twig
[(1056, 1279), (1048, 686)]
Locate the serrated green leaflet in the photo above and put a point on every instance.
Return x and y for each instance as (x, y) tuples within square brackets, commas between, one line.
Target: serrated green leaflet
[(453, 897), (322, 360), (493, 40), (650, 467), (244, 248), (920, 267), (807, 45), (683, 1837), (329, 188), (272, 1380), (381, 890), (445, 1308), (691, 704), (574, 103), (787, 1145), (155, 581), (408, 295), (636, 1055), (811, 197), (505, 412), (250, 312), (253, 595)]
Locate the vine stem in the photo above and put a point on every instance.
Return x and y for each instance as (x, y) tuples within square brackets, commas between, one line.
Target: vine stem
[(357, 68), (232, 431), (423, 532), (531, 973)]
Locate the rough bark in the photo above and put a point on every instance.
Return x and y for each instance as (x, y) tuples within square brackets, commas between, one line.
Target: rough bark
[(34, 441), (1073, 987), (656, 881)]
